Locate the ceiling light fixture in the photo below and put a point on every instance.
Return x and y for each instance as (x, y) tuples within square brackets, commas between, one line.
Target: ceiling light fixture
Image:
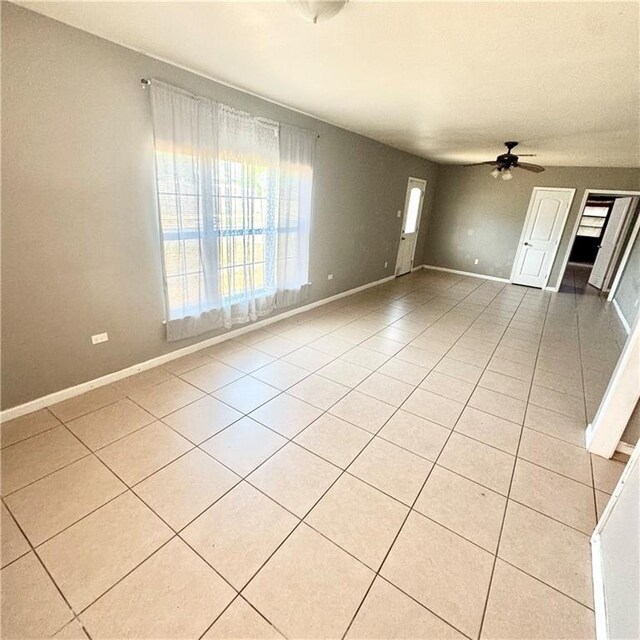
[(495, 172), (318, 10), (506, 174)]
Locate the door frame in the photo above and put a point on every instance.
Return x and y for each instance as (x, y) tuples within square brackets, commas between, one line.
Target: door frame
[(524, 229), (623, 261), (574, 232), (404, 217)]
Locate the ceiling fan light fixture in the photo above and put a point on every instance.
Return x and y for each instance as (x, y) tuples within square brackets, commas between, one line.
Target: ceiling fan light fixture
[(507, 175), (318, 10), (495, 172)]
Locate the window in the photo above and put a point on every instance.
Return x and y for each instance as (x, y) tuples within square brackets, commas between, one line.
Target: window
[(413, 209), (234, 201)]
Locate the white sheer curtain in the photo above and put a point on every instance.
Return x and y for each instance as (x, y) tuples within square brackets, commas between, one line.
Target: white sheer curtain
[(234, 199)]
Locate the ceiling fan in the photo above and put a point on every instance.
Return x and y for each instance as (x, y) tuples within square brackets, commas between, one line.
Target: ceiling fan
[(507, 161)]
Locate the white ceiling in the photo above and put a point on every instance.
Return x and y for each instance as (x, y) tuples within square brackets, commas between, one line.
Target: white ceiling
[(448, 81)]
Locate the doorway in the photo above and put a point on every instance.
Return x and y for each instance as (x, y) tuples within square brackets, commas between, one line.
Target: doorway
[(604, 226), (413, 203)]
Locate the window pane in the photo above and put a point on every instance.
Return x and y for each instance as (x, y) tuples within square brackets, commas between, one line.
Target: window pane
[(412, 210)]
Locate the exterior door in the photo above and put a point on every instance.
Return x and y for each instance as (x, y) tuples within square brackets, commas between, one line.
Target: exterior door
[(410, 225), (541, 235), (608, 242)]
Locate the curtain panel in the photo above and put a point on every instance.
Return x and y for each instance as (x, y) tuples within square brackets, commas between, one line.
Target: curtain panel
[(234, 202)]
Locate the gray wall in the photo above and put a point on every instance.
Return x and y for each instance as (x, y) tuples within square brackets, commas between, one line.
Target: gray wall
[(475, 216), (631, 434), (80, 250), (628, 291)]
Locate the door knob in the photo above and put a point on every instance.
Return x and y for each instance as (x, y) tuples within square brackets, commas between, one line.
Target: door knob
[(526, 244)]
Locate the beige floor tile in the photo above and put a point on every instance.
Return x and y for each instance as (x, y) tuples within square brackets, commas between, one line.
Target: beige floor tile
[(242, 622), (491, 430), (498, 404), (223, 348), (72, 631), (334, 439), (310, 588), (140, 454), (295, 478), (104, 426), (416, 434), (318, 391), (212, 376), (563, 383), (395, 471), (202, 419), (281, 374), (522, 608), (389, 390), (358, 518), (433, 407), (166, 397), (26, 426), (469, 356), (145, 603), (286, 415), (602, 499), (388, 613), (343, 372), (187, 363), (308, 358), (31, 605), (556, 455), (447, 574), (91, 556), (448, 387), (276, 346), (559, 402), (382, 345), (55, 502), (185, 488), (479, 462), (239, 532), (548, 550), (246, 359), (506, 385), (554, 495), (331, 345), (606, 473), (407, 372), (243, 446), (499, 364), (363, 411), (32, 459), (555, 424), (421, 357), (467, 373), (364, 357), (463, 506), (13, 543), (87, 402), (143, 380), (246, 394)]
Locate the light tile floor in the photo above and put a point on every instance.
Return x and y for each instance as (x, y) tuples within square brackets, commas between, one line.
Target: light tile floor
[(403, 462)]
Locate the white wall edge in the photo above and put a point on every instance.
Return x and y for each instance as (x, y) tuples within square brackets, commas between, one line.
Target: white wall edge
[(70, 392), (552, 289), (598, 588), (465, 273), (625, 324)]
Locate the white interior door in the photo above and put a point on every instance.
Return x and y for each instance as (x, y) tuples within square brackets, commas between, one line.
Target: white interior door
[(608, 242), (541, 235), (410, 225)]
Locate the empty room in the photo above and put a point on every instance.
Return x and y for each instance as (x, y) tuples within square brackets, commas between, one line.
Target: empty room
[(320, 320)]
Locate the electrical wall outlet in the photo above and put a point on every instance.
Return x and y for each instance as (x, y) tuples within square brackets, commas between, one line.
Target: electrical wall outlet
[(475, 261), (386, 264), (399, 213), (330, 276), (99, 337)]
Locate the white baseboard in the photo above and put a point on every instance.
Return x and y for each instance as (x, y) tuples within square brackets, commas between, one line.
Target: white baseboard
[(552, 289), (465, 273), (625, 324), (65, 394), (625, 447)]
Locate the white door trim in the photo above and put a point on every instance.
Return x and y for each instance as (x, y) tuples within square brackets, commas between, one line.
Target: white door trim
[(576, 224), (524, 229), (404, 217), (623, 262), (603, 434)]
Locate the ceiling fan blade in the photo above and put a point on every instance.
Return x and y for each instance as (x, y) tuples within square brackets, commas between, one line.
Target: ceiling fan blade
[(536, 168), (526, 155), (477, 164)]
